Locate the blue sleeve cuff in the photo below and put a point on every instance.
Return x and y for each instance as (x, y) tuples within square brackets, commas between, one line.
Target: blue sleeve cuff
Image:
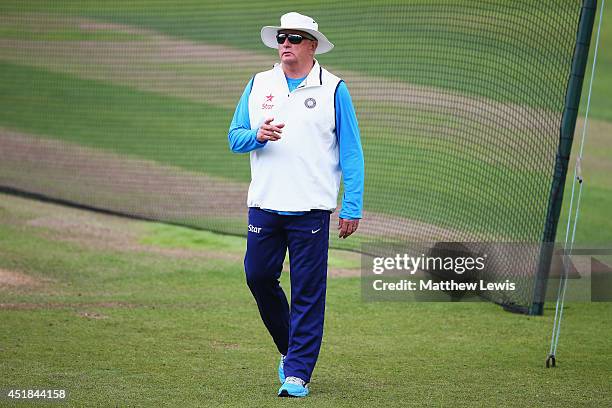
[(346, 217)]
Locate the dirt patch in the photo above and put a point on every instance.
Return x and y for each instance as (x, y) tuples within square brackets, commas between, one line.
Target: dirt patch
[(343, 273), (92, 315), (102, 26), (598, 134), (222, 345), (114, 233), (14, 279), (79, 306), (120, 235), (79, 226)]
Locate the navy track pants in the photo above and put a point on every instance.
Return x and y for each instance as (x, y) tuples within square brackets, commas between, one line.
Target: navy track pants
[(298, 331)]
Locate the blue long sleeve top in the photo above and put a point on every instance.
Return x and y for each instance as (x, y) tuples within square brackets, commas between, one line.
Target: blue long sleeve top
[(243, 139)]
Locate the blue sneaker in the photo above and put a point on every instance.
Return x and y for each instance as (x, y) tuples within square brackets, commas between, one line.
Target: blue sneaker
[(281, 369), (293, 387)]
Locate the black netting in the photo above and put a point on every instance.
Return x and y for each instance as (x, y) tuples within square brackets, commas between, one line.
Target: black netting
[(125, 106)]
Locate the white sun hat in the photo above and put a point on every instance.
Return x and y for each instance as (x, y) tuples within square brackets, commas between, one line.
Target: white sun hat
[(296, 21)]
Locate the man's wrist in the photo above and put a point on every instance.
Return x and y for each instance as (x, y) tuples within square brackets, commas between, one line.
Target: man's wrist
[(257, 142)]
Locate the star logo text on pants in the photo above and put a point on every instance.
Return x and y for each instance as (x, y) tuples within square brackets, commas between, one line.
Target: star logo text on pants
[(254, 229)]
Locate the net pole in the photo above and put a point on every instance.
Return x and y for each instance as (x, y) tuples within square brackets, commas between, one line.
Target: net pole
[(569, 246), (568, 126)]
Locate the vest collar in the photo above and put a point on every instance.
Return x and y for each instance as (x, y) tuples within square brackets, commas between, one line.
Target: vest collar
[(314, 77)]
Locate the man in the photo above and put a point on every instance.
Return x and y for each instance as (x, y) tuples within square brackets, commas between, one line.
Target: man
[(298, 122)]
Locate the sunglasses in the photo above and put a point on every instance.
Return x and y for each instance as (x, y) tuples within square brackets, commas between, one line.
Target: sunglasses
[(293, 38)]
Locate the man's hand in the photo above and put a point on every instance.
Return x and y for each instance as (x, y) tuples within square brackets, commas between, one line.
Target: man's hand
[(347, 227), (268, 132)]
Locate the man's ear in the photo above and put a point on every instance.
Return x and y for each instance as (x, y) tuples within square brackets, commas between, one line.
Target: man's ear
[(315, 44)]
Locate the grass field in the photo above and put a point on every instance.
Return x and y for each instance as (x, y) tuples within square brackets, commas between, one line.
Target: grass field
[(128, 313), (147, 108), (138, 124), (365, 32)]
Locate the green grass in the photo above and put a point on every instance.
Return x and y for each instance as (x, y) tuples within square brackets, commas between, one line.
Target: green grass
[(172, 236), (141, 124), (601, 104), (362, 37), (594, 223), (186, 332), (178, 132)]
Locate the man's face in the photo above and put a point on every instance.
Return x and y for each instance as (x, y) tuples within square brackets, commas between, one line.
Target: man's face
[(301, 53)]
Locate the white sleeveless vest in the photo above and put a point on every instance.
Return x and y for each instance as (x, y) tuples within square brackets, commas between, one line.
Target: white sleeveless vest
[(301, 171)]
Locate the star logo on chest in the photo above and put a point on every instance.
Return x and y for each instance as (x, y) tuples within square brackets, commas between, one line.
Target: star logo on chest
[(269, 98)]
